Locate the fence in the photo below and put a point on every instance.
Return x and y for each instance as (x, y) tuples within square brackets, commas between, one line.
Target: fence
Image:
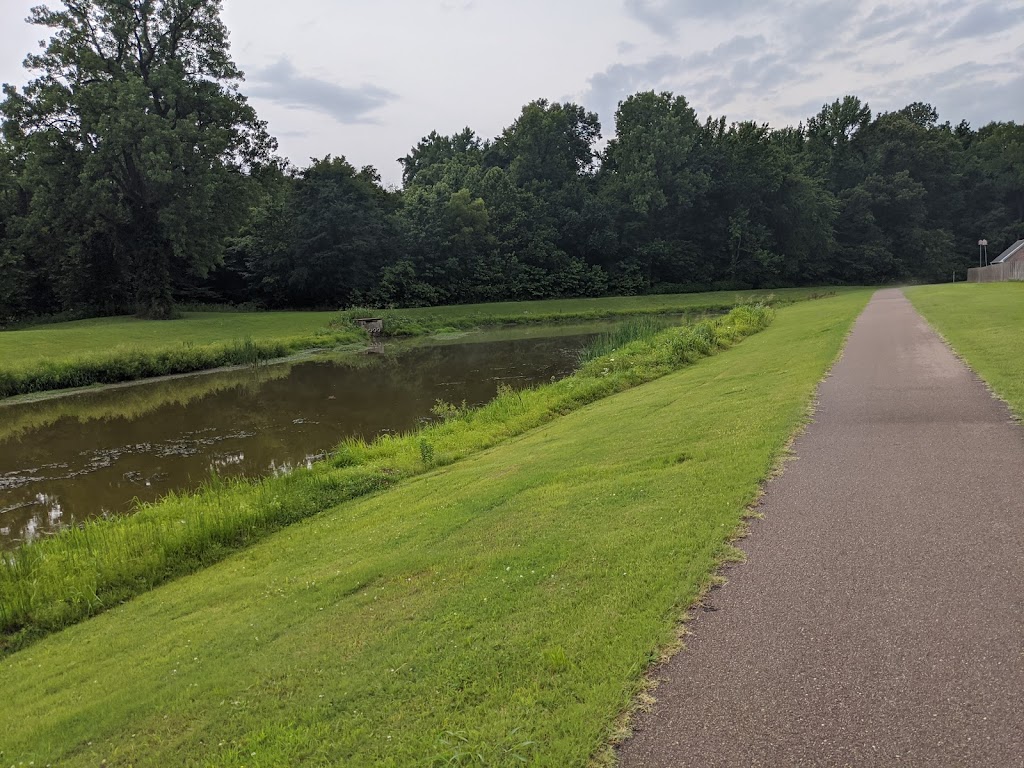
[(996, 273)]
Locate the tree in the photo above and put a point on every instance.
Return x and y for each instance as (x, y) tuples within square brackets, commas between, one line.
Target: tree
[(322, 240), (999, 153), (139, 100), (432, 157), (653, 175), (548, 154), (14, 285), (832, 137)]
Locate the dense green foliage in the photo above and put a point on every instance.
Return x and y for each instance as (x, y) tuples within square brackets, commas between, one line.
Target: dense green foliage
[(983, 323), (84, 570), (497, 610), (126, 157), (134, 173)]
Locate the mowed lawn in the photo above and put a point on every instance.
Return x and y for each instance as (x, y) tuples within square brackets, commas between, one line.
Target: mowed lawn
[(500, 611), (985, 324), (674, 302), (82, 338)]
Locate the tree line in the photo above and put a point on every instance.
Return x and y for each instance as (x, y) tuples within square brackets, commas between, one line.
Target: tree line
[(134, 175)]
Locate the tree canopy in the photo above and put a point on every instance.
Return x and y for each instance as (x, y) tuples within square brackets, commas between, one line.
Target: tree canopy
[(134, 174), (134, 141)]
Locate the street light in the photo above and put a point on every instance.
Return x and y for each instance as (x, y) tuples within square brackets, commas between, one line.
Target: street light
[(983, 253)]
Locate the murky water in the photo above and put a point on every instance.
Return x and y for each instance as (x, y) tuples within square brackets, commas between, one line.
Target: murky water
[(66, 459)]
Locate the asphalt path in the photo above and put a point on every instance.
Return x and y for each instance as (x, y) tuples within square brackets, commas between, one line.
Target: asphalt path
[(879, 618)]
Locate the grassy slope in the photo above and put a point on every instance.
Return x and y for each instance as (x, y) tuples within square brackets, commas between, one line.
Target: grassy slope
[(985, 324), (610, 305), (83, 337), (110, 350), (506, 606), (83, 570)]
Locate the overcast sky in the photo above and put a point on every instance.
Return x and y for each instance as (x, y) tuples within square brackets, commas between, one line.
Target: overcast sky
[(367, 81)]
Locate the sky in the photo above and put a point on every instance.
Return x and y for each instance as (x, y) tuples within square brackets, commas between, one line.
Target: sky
[(367, 81)]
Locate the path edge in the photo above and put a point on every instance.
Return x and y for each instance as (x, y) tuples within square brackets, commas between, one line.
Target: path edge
[(730, 556), (1014, 416)]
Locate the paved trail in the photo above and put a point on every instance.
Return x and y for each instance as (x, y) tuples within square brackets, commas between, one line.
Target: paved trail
[(879, 620)]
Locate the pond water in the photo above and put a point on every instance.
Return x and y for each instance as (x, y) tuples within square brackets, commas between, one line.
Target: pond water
[(69, 458)]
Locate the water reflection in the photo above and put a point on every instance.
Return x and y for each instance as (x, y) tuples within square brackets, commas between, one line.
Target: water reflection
[(92, 454)]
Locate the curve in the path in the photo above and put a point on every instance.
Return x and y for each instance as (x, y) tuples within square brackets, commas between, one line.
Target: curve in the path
[(879, 619)]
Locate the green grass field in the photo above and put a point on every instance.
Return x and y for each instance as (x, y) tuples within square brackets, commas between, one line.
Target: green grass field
[(985, 324), (676, 302), (101, 335), (111, 350), (498, 611)]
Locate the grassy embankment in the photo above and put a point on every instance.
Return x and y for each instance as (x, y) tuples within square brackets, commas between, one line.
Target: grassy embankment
[(424, 320), (84, 570), (984, 323), (111, 350), (497, 610)]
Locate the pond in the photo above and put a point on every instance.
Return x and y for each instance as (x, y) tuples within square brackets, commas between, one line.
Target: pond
[(93, 453)]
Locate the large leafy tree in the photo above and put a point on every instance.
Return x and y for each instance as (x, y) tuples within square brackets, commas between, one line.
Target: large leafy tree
[(137, 142), (548, 155), (998, 199), (653, 174), (320, 238)]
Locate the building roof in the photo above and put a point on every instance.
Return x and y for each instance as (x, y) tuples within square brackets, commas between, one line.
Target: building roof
[(1009, 253)]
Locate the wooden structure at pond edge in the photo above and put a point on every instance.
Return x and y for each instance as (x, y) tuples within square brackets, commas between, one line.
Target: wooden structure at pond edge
[(372, 325)]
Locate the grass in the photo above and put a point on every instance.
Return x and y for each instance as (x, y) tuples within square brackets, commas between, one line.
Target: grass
[(31, 346), (497, 611), (423, 320), (985, 324), (82, 571), (112, 350), (637, 328)]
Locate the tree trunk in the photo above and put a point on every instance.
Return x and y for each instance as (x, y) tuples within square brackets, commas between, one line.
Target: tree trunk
[(154, 298)]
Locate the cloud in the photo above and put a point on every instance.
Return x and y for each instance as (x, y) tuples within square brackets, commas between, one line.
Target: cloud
[(282, 84), (662, 16), (608, 88), (972, 90), (983, 20), (981, 102), (741, 64), (887, 23), (726, 53)]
